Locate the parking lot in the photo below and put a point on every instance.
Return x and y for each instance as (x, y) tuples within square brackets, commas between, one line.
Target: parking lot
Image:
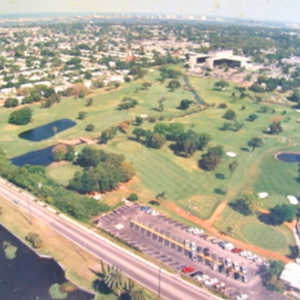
[(210, 261)]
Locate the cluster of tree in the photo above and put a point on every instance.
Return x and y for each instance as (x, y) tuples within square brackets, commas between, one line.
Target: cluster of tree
[(275, 128), (127, 103), (112, 278), (102, 171), (252, 117), (78, 90), (272, 275), (168, 73), (295, 97), (21, 116), (280, 214), (186, 142), (210, 160), (63, 152), (108, 134), (235, 126), (255, 143), (34, 179)]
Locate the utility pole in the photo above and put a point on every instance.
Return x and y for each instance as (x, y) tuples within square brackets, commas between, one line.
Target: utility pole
[(159, 279)]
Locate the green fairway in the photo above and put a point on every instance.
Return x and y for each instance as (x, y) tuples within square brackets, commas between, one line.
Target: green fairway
[(264, 236)]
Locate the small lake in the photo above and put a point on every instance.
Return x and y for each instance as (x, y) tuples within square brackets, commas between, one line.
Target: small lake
[(29, 277), (289, 157), (42, 157), (46, 131)]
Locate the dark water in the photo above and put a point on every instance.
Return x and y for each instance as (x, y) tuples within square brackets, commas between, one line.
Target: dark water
[(46, 131), (42, 157), (289, 157), (28, 277)]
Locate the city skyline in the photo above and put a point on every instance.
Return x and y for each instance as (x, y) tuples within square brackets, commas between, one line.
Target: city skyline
[(257, 9)]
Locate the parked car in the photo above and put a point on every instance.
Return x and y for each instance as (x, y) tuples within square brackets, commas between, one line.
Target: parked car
[(236, 250), (196, 274), (188, 269)]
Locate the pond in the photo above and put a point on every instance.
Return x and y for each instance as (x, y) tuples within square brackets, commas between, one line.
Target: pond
[(29, 277), (42, 157), (46, 131), (289, 157)]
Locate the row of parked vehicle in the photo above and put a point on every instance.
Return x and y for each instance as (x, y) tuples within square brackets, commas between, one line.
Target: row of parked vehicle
[(225, 245)]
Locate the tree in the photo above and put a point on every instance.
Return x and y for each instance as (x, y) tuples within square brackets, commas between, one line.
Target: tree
[(275, 128), (243, 205), (113, 279), (255, 143), (220, 85), (252, 117), (89, 102), (229, 115), (173, 84), (90, 127), (139, 132), (295, 97), (20, 117), (272, 275), (281, 213), (11, 102), (185, 104), (108, 134), (232, 166), (210, 160), (155, 140), (81, 115)]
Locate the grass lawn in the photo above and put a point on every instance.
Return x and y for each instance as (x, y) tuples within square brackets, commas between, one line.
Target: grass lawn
[(263, 236), (62, 173)]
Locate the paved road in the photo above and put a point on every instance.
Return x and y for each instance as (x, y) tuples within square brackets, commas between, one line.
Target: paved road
[(171, 287)]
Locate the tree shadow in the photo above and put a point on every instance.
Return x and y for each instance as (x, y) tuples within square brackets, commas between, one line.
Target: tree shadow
[(220, 176), (154, 202), (246, 149), (265, 218), (101, 287)]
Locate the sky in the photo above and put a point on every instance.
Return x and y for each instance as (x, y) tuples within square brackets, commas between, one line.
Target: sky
[(281, 10)]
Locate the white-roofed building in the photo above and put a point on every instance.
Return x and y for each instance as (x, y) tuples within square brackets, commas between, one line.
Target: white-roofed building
[(291, 276)]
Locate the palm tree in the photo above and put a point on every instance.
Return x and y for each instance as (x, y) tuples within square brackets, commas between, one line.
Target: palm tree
[(255, 142), (113, 279), (137, 295)]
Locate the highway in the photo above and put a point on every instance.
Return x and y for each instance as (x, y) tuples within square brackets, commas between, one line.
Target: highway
[(171, 286)]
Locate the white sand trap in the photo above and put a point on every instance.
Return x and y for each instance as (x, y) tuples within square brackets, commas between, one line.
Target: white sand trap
[(292, 199), (231, 154), (263, 195)]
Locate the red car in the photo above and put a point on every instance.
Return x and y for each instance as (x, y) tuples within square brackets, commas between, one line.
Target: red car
[(188, 269), (236, 250)]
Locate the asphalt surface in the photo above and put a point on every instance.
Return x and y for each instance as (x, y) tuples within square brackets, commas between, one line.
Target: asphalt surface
[(170, 286)]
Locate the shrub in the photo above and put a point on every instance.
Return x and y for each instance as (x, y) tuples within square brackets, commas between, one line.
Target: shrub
[(90, 127), (34, 239), (11, 102), (133, 197), (81, 115)]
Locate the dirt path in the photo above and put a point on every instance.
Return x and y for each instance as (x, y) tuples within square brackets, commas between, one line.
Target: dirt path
[(217, 213), (206, 225)]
